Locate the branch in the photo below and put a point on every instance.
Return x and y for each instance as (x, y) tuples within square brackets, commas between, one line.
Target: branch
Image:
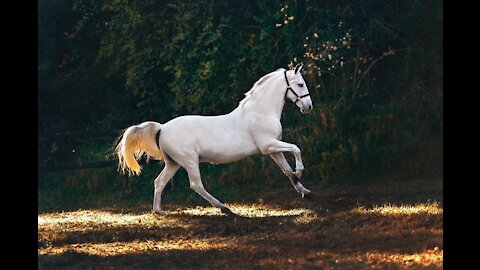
[(385, 54)]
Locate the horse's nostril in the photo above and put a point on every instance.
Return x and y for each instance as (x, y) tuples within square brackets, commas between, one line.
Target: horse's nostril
[(309, 107)]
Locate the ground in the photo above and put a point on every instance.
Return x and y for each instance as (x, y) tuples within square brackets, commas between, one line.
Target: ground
[(382, 225)]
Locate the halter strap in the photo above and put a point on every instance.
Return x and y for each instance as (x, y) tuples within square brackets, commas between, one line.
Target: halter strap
[(290, 88), (157, 138)]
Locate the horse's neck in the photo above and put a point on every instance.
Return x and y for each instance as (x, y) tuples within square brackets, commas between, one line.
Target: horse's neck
[(267, 102)]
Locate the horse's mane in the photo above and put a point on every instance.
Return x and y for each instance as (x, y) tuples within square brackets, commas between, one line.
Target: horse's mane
[(251, 93)]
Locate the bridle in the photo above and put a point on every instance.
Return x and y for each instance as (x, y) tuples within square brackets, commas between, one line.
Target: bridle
[(290, 88)]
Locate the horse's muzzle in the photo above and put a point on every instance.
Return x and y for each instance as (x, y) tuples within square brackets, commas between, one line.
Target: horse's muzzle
[(306, 110)]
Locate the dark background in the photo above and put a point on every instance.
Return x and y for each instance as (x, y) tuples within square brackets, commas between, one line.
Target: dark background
[(374, 70)]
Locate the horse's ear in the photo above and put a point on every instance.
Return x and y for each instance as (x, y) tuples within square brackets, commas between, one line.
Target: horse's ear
[(298, 67)]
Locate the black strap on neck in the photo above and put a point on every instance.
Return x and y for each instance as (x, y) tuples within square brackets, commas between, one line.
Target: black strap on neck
[(285, 74), (290, 88), (157, 138)]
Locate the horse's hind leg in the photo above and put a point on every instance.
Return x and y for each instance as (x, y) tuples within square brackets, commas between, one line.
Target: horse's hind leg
[(196, 184), (171, 167)]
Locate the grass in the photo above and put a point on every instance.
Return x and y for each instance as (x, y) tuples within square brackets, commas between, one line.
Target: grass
[(389, 209), (384, 225)]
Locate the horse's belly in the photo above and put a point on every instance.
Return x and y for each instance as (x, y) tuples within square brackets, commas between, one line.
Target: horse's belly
[(227, 154)]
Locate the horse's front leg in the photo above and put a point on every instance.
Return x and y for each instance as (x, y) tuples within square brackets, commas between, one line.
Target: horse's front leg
[(279, 147), (294, 177)]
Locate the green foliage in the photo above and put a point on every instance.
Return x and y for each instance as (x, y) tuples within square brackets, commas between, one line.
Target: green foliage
[(374, 70)]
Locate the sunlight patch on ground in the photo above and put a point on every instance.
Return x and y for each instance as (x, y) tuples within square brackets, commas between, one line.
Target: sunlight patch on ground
[(306, 217), (121, 248), (83, 220), (247, 210), (388, 209), (383, 260), (90, 219), (433, 257)]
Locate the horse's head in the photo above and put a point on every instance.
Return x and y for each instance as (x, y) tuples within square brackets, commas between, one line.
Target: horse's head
[(297, 90)]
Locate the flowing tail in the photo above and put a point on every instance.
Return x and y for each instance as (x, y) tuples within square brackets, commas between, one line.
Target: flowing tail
[(136, 141)]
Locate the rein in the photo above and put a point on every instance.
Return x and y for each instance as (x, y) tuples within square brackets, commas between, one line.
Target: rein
[(290, 88)]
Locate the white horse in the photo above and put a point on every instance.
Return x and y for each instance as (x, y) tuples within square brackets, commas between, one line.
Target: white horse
[(253, 127)]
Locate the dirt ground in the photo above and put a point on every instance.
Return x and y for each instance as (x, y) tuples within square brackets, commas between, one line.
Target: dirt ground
[(384, 225)]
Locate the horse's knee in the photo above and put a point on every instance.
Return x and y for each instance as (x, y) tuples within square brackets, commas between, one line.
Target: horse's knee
[(196, 187), (158, 182)]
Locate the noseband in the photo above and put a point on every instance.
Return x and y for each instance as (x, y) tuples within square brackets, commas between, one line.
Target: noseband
[(290, 88)]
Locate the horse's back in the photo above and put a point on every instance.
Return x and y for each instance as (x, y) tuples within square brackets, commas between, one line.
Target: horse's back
[(190, 128)]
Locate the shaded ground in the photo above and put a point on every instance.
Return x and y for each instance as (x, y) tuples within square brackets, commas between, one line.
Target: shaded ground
[(391, 225)]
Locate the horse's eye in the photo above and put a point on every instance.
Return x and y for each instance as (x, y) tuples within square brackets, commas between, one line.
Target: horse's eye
[(300, 84)]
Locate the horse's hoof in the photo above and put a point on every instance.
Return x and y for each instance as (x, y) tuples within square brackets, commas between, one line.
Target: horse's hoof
[(308, 196), (227, 212), (159, 213)]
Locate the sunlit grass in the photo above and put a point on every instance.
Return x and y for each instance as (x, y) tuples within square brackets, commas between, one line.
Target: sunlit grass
[(247, 210), (55, 226), (432, 257), (107, 218), (92, 219), (120, 248), (61, 233), (389, 209), (306, 217)]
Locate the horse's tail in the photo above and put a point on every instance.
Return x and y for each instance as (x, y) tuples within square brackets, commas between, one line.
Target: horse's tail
[(136, 141)]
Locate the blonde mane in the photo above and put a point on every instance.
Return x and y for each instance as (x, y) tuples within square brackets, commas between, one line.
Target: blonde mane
[(250, 94)]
